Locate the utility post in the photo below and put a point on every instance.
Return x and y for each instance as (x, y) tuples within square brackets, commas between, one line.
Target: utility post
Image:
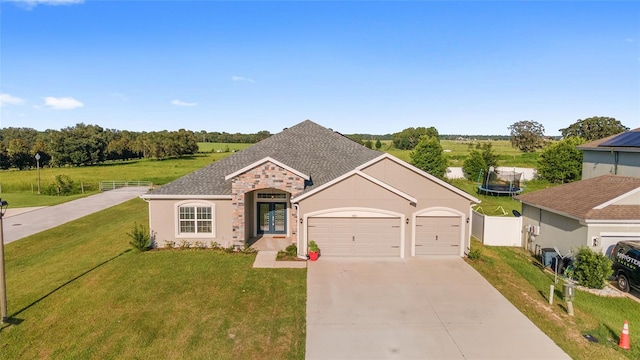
[(3, 280), (38, 167)]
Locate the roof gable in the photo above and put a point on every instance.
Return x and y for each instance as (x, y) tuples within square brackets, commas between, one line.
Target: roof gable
[(262, 161), (587, 199)]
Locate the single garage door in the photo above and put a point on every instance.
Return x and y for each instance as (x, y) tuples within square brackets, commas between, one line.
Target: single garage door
[(355, 236), (437, 235)]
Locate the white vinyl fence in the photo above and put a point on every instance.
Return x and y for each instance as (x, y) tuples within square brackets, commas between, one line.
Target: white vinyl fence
[(497, 230)]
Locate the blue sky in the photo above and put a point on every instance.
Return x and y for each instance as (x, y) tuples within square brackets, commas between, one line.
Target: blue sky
[(357, 67)]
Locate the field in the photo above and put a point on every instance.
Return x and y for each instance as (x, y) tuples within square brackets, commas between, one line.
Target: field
[(19, 188), (79, 291)]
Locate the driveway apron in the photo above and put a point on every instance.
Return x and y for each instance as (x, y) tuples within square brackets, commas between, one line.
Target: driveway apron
[(420, 308), (28, 223)]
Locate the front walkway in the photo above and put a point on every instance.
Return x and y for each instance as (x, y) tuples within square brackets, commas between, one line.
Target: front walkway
[(19, 224), (268, 247)]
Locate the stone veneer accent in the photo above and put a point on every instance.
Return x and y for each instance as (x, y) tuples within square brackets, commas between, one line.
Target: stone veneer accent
[(265, 176)]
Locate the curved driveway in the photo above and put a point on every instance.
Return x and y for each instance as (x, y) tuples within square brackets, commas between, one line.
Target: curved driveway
[(420, 308), (18, 224)]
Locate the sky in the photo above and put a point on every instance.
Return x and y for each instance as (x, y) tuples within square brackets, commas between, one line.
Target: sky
[(463, 67)]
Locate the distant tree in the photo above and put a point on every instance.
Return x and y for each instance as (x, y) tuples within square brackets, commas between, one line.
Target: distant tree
[(479, 160), (429, 156), (527, 135), (561, 162), (4, 157), (368, 143), (378, 144), (594, 128), (19, 155), (408, 138)]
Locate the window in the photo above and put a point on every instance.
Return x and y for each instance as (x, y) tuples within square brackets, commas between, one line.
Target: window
[(272, 196), (195, 219)]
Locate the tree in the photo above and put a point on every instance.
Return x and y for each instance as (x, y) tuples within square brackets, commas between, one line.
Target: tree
[(561, 162), (378, 144), (19, 156), (429, 156), (474, 165), (594, 128), (368, 143), (527, 135), (408, 138)]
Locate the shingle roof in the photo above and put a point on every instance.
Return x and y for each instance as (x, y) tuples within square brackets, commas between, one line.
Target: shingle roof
[(307, 147), (578, 199), (598, 144)]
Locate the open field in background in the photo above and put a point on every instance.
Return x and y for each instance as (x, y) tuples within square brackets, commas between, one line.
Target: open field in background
[(78, 291), (513, 272), (459, 150), (19, 188), (207, 147)]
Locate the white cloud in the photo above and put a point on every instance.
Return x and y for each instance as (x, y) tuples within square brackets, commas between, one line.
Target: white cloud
[(7, 99), (30, 4), (182, 103), (242, 78), (65, 103)]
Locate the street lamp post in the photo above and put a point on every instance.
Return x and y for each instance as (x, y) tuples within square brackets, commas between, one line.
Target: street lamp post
[(38, 167), (3, 280)]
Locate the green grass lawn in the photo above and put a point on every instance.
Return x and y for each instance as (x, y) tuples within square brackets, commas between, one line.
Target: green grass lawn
[(78, 292), (207, 147), (514, 273)]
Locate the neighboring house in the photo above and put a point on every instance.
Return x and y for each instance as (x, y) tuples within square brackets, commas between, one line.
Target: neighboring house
[(311, 183), (614, 155), (596, 213)]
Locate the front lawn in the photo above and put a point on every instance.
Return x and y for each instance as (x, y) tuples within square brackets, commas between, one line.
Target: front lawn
[(79, 292), (514, 273)]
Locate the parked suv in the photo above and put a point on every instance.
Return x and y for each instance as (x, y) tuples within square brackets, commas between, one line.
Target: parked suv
[(626, 264)]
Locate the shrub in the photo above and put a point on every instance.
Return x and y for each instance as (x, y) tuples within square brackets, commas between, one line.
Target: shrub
[(140, 238), (591, 269), (474, 254), (184, 244), (62, 186), (291, 250), (168, 244)]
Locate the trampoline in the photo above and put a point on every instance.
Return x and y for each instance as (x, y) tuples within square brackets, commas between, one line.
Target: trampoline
[(500, 182)]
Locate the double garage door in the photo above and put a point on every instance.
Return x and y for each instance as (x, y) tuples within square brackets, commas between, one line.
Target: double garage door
[(380, 236), (356, 236)]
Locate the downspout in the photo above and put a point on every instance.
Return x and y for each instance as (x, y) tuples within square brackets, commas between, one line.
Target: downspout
[(616, 158)]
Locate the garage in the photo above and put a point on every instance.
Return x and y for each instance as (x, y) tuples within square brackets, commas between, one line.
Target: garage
[(356, 236), (610, 240), (437, 235)]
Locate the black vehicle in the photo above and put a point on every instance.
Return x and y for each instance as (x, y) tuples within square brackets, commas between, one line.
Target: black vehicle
[(626, 264)]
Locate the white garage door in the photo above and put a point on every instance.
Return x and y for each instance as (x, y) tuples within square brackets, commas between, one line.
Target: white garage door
[(609, 241), (356, 236), (437, 235)]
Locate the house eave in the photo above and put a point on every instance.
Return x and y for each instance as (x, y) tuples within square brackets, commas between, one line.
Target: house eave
[(554, 211), (184, 197)]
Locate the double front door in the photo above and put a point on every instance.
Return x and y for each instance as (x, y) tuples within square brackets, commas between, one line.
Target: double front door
[(272, 218)]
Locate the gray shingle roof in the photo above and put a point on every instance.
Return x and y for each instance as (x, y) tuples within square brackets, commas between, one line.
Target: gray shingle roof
[(307, 147)]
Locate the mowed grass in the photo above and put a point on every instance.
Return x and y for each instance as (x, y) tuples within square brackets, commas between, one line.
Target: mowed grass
[(457, 152), (514, 273), (78, 292), (206, 147)]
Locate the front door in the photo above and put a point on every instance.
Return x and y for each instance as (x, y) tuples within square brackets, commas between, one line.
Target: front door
[(272, 218)]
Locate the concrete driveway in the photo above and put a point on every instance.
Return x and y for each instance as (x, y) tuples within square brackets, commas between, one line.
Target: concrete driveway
[(420, 308), (18, 223)]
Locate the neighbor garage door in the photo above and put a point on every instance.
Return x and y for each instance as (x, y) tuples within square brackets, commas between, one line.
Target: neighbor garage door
[(609, 241), (437, 235), (356, 236)]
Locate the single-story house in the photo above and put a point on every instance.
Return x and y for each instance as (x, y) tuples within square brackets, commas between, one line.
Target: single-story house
[(614, 155), (312, 183), (596, 212)]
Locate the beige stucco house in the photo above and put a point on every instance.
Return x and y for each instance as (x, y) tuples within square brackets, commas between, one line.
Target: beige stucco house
[(614, 155), (311, 183), (596, 212)]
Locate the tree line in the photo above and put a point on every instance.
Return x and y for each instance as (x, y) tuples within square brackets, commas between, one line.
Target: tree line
[(89, 145)]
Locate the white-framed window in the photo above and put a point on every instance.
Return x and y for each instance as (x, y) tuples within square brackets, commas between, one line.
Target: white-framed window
[(195, 220)]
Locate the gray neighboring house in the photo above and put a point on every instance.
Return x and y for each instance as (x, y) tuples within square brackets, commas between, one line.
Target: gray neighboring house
[(596, 212), (311, 183), (614, 155)]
